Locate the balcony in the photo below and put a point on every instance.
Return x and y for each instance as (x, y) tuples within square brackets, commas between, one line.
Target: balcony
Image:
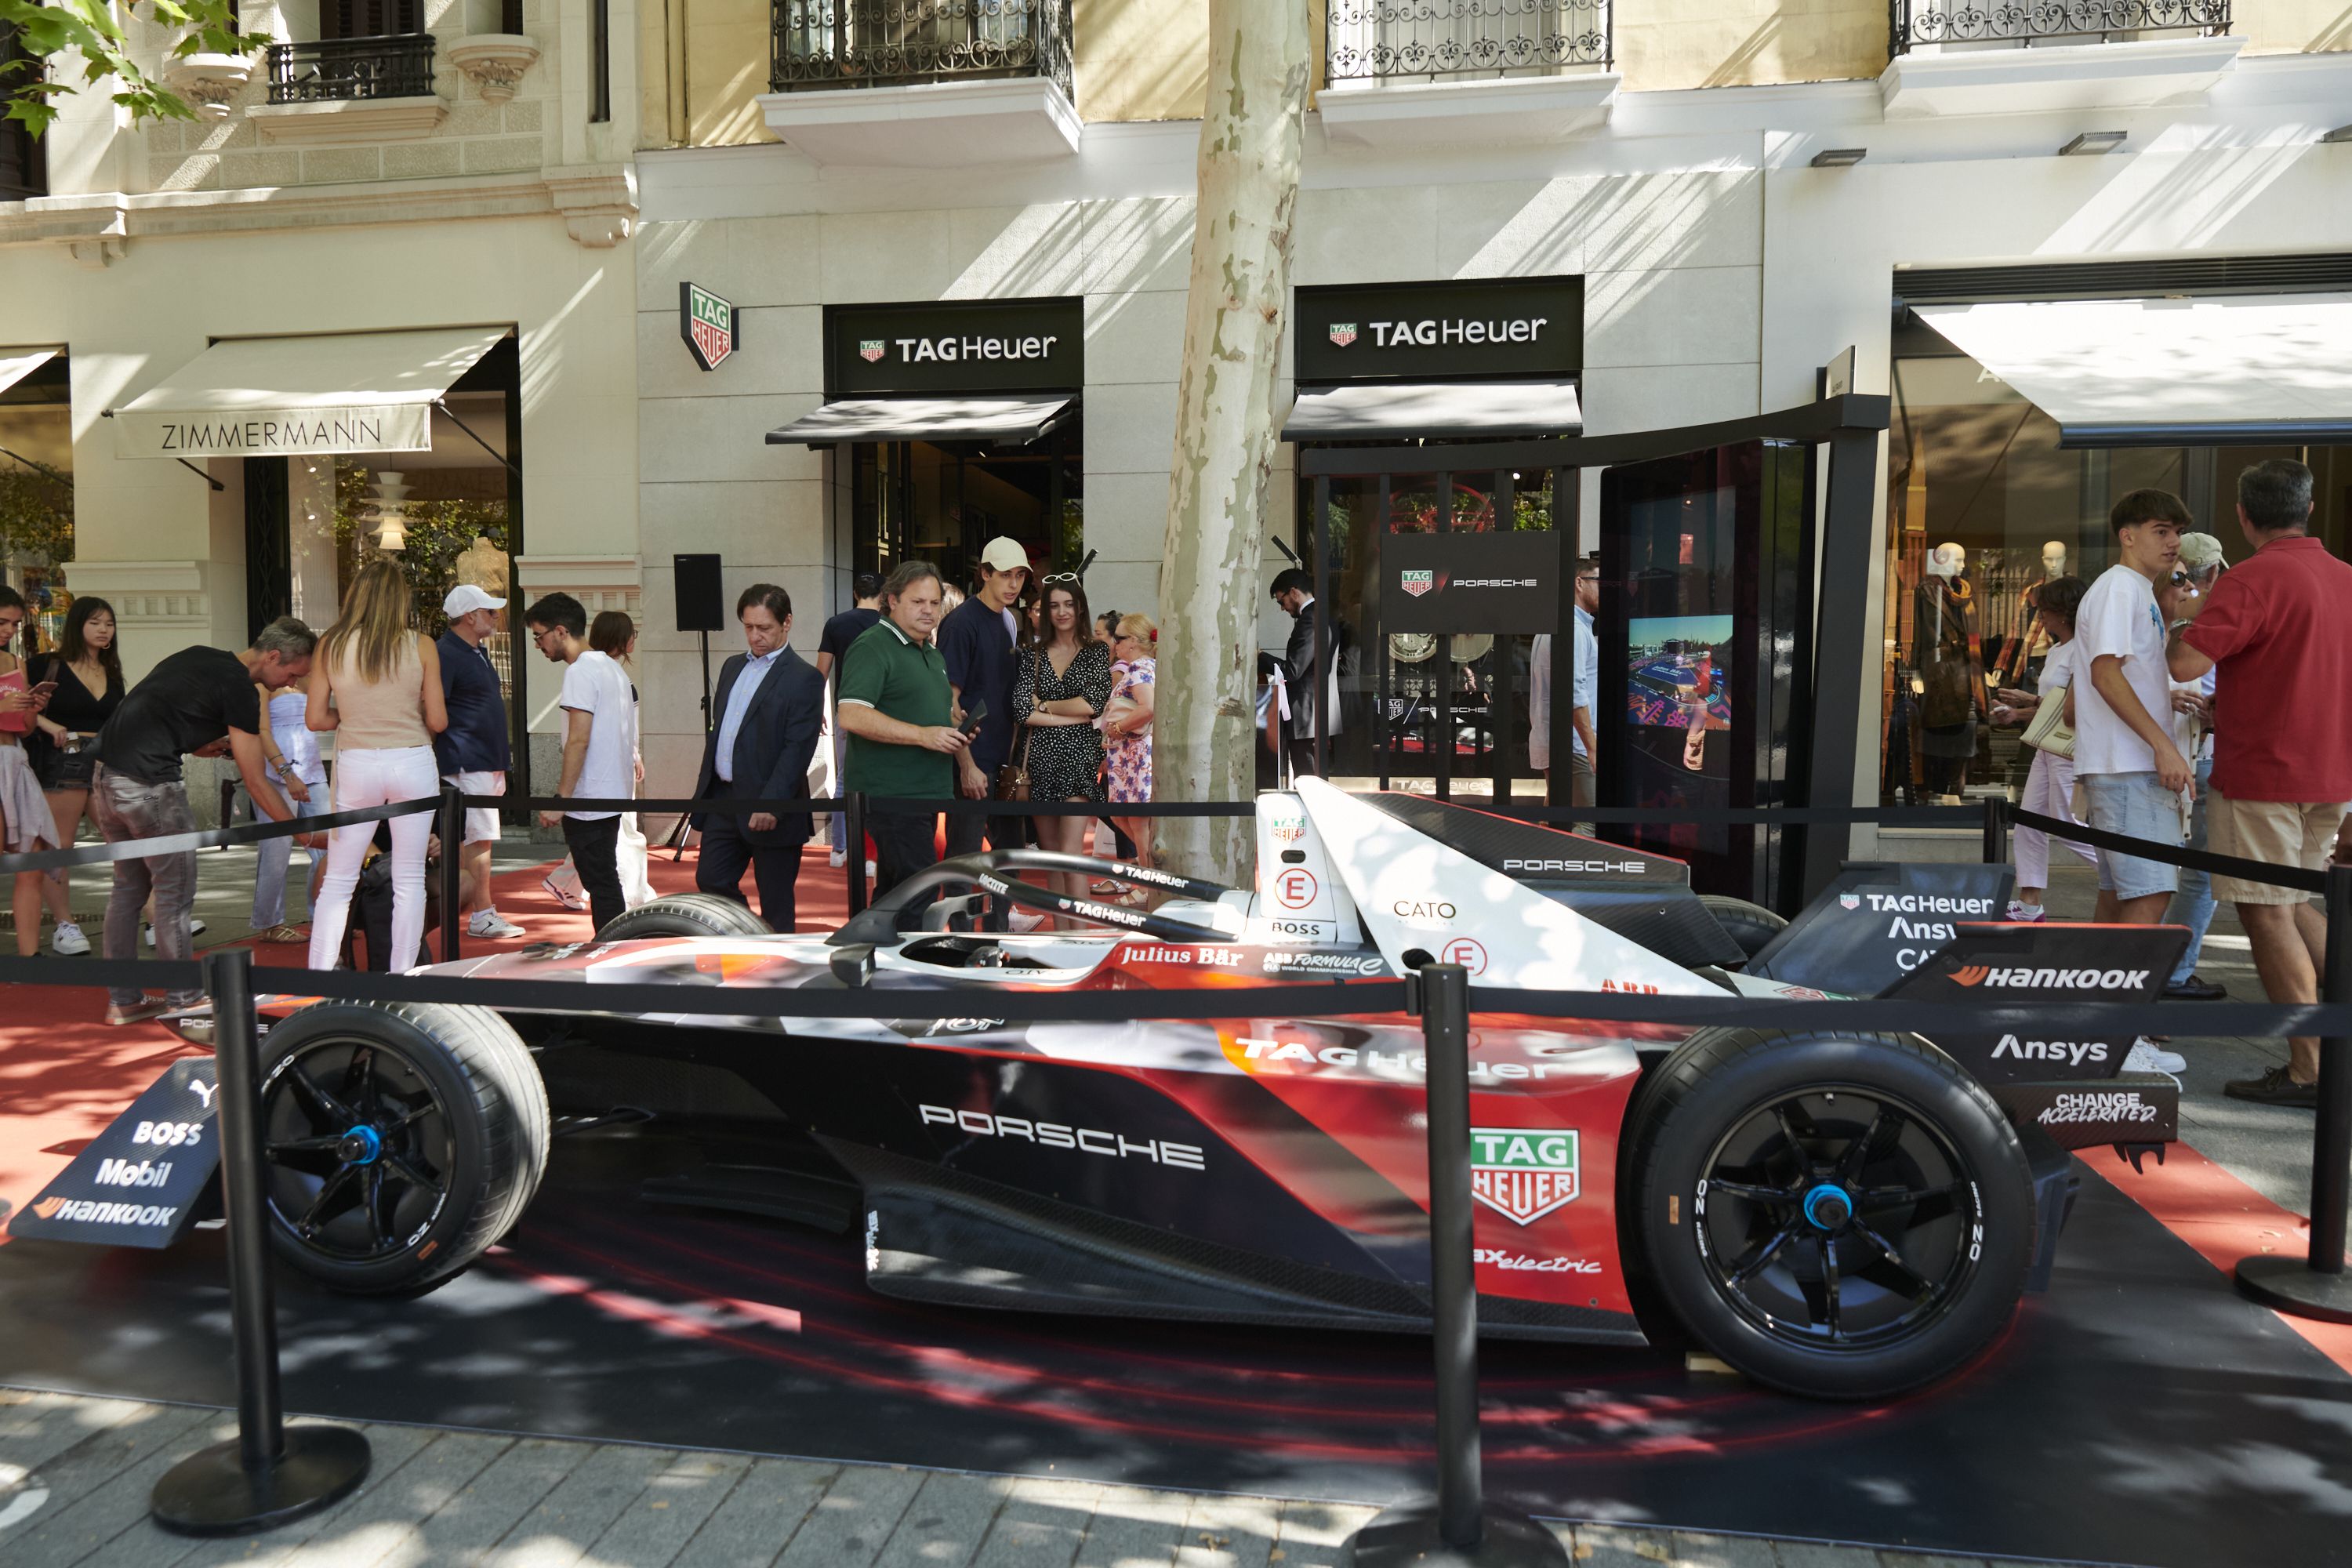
[(1961, 57), (350, 90), (1405, 73), (922, 83)]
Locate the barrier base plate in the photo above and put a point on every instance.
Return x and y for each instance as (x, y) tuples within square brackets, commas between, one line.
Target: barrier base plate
[(1407, 1534), (212, 1493), (2287, 1284)]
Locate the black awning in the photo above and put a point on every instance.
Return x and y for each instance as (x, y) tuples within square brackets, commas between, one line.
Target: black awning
[(1375, 410), (1005, 421)]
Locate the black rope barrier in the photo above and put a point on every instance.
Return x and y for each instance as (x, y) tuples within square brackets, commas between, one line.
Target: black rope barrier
[(2276, 875), (208, 837)]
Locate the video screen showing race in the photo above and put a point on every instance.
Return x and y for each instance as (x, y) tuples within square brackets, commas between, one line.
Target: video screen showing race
[(1678, 672)]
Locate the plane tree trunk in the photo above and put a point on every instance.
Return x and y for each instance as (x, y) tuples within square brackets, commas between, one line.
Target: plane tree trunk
[(1250, 126)]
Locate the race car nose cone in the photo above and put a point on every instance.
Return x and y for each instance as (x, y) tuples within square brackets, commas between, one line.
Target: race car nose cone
[(1828, 1207), (362, 1144)]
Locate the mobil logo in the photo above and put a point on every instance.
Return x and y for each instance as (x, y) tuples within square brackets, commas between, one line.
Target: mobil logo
[(1295, 887), (1467, 951)]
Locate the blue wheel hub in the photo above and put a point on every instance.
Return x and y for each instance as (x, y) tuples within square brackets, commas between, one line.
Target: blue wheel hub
[(1828, 1206), (362, 1145)]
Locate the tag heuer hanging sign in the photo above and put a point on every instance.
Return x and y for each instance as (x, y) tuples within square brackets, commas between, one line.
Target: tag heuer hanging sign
[(1343, 333), (1523, 1171), (707, 324)]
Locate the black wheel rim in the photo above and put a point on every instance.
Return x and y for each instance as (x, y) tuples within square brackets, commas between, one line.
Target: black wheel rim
[(1838, 1218), (360, 1146)]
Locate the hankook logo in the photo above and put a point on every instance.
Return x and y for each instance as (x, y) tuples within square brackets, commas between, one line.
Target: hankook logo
[(2050, 979)]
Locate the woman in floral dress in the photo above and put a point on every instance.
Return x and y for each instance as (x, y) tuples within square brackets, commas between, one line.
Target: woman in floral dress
[(1126, 728), (1063, 684)]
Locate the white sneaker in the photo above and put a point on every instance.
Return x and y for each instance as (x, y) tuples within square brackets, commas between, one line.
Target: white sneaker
[(2025, 914), (2146, 1056), (840, 858), (68, 940), (147, 931), (492, 924), (1023, 920), (870, 870)]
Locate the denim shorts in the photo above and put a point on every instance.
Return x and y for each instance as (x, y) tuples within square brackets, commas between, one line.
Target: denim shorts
[(2136, 807)]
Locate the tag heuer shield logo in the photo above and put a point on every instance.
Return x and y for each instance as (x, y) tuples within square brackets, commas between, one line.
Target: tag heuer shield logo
[(707, 324), (1416, 582), (870, 349), (1849, 900), (1523, 1171), (1342, 333)]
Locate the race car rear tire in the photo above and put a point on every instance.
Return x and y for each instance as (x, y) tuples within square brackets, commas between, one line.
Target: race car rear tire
[(688, 914), (1750, 925), (1844, 1216), (402, 1140)]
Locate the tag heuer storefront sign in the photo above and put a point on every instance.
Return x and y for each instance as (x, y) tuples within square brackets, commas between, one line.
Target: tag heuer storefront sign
[(1518, 327), (955, 346), (709, 325)]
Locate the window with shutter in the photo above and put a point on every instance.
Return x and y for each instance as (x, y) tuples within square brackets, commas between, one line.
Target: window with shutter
[(369, 18)]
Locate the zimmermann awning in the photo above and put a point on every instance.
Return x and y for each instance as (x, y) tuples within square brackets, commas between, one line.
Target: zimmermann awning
[(2222, 370), (361, 392), (1377, 410), (15, 366), (1005, 421)]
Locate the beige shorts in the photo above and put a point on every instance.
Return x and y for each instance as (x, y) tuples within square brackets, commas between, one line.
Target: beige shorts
[(2279, 832)]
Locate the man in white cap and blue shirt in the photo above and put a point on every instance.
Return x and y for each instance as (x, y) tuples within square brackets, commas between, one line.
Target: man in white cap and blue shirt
[(472, 753)]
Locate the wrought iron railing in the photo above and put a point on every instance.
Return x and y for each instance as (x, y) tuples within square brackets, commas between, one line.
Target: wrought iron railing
[(1911, 23), (1375, 39), (399, 65), (890, 43)]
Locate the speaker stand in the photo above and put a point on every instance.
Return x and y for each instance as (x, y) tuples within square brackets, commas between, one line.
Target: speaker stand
[(675, 843)]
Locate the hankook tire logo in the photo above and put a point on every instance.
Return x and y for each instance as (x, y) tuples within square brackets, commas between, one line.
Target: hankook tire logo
[(2050, 979)]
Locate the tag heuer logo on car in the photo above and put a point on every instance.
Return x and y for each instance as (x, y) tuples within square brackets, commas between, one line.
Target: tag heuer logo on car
[(1849, 900), (707, 324), (1342, 333), (1417, 582), (1523, 1171), (870, 349)]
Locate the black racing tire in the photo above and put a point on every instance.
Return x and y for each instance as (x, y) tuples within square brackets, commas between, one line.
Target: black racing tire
[(454, 1141), (1750, 925), (1734, 1140), (688, 914)]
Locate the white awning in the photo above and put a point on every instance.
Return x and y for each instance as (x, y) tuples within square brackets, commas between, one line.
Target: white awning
[(2222, 370), (1005, 421), (1375, 410), (17, 364), (361, 392)]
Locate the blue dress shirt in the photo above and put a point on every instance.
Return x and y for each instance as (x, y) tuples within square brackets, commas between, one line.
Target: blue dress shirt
[(739, 702)]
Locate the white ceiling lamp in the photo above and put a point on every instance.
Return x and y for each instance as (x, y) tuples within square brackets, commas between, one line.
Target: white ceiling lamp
[(1840, 157), (2091, 143), (391, 506)]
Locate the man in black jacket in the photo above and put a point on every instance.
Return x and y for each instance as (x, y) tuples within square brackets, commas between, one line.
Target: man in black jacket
[(1308, 687), (771, 708)]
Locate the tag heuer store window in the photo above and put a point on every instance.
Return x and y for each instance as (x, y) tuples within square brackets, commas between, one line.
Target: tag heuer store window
[(954, 423), (1434, 669)]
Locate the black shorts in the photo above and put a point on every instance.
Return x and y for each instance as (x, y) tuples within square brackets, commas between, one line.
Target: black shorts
[(60, 770)]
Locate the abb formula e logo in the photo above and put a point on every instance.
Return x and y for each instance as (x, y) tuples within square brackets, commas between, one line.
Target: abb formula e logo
[(2050, 979)]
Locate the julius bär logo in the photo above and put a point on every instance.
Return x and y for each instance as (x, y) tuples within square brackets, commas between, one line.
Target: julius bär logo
[(1524, 1172), (1417, 582), (870, 349), (707, 324), (1342, 333), (1973, 974)]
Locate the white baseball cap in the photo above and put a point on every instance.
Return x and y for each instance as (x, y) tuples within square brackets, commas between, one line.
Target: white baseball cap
[(1003, 554), (464, 599)]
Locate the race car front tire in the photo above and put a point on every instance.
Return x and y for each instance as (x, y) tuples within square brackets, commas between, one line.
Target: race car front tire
[(687, 914), (402, 1139), (1750, 925), (1844, 1216)]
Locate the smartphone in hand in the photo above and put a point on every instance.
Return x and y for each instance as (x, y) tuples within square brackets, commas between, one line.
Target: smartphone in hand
[(974, 718)]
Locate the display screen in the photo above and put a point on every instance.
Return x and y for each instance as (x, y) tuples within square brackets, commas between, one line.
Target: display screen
[(1678, 676)]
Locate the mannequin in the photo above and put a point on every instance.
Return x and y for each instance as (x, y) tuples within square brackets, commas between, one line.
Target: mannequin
[(1946, 664), (2029, 642)]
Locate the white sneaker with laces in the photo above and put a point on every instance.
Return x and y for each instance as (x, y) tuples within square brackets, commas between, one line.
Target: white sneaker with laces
[(493, 925), (147, 931), (68, 940), (840, 858), (2146, 1056), (2025, 914)]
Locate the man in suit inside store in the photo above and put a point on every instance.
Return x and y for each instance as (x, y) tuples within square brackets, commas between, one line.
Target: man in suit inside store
[(771, 708), (1309, 688)]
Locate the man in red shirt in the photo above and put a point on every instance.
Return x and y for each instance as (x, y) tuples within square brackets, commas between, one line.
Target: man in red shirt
[(2279, 628)]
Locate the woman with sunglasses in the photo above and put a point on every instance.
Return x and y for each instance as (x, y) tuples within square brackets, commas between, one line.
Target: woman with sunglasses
[(1063, 686)]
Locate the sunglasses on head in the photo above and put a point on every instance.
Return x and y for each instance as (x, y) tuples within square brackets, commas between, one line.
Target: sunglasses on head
[(1054, 579)]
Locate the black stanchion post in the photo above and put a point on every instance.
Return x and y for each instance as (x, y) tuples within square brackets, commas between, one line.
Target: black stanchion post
[(1996, 837), (854, 831), (1459, 1530), (270, 1474), (453, 840), (2318, 1286)]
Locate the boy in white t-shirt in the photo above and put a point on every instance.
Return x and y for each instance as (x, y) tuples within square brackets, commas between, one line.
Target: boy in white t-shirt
[(2133, 776), (600, 747)]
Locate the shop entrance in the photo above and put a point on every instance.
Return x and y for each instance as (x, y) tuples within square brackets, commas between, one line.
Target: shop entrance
[(941, 502)]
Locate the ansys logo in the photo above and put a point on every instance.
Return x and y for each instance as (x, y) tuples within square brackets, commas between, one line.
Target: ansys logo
[(1523, 1171), (1342, 333)]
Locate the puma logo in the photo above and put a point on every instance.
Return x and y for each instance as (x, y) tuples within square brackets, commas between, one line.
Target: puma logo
[(203, 1091)]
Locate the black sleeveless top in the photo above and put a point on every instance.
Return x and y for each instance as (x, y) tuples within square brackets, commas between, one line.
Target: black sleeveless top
[(72, 705)]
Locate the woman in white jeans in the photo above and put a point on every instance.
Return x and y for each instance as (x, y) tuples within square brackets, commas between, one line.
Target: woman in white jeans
[(2049, 786), (377, 685)]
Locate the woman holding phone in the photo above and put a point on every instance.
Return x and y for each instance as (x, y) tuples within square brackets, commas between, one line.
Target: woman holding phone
[(88, 669), (25, 820)]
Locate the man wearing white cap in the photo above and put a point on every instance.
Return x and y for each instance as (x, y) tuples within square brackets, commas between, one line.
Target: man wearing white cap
[(472, 752)]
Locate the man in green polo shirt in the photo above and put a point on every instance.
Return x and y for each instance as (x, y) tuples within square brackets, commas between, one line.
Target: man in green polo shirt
[(899, 713)]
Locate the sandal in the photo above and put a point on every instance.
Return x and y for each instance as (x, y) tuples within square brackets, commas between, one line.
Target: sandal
[(1104, 886), (285, 934)]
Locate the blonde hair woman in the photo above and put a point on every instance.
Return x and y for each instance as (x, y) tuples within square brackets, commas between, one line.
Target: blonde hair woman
[(377, 685), (1126, 728)]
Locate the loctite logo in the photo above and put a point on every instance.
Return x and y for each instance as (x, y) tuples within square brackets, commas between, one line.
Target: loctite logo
[(2051, 979)]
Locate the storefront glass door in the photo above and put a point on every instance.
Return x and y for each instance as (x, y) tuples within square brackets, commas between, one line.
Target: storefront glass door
[(919, 501)]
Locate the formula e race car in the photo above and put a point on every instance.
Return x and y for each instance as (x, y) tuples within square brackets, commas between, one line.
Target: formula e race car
[(1838, 1213)]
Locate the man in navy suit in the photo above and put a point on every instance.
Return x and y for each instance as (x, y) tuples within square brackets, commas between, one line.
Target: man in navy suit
[(771, 708)]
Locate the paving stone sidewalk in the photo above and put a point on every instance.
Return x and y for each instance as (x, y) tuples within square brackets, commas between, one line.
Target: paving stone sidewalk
[(74, 1475)]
